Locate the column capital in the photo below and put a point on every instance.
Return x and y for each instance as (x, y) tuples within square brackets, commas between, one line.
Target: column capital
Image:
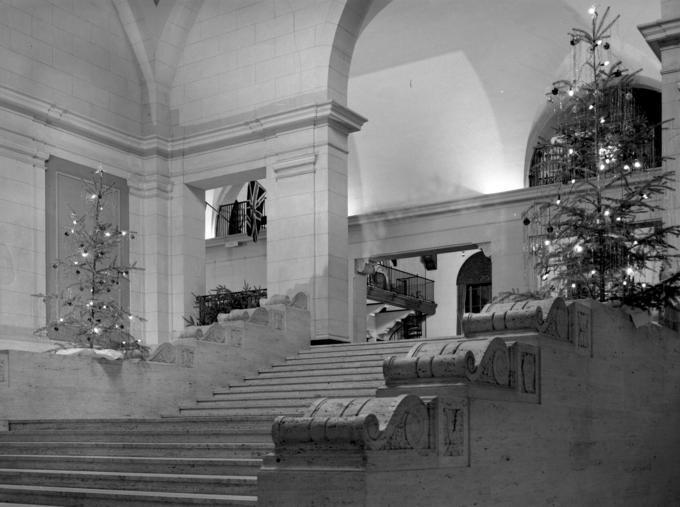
[(154, 185), (661, 33)]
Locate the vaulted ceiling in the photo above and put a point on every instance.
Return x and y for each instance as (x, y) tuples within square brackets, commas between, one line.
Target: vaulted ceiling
[(453, 89)]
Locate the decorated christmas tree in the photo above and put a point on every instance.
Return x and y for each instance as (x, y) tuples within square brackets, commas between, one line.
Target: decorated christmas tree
[(88, 309), (599, 232)]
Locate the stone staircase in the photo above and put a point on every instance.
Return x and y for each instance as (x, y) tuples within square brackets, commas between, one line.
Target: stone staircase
[(208, 454)]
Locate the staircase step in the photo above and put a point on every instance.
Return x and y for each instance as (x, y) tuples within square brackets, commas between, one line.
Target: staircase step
[(387, 348), (337, 358), (318, 371), (160, 465), (169, 450), (152, 424), (176, 483), (296, 388), (272, 411), (323, 366), (296, 380), (259, 434), (296, 397), (73, 497)]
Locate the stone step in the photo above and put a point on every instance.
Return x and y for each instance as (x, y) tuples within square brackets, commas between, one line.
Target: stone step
[(261, 434), (297, 397), (168, 450), (296, 379), (152, 424), (317, 365), (296, 388), (350, 350), (316, 371), (337, 358), (79, 497), (160, 465), (271, 410), (176, 483)]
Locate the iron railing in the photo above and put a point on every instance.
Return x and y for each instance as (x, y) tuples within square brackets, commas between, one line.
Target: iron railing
[(401, 282), (552, 165), (210, 305), (231, 219)]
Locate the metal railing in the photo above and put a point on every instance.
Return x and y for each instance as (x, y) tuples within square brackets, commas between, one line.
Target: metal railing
[(553, 165), (401, 282), (210, 305), (231, 219)]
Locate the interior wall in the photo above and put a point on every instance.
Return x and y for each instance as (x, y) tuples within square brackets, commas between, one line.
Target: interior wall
[(74, 55), (234, 266), (22, 249)]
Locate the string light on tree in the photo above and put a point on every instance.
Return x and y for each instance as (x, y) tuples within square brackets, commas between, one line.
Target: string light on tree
[(93, 316), (593, 238)]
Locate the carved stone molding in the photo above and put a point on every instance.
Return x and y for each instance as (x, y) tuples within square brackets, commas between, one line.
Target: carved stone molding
[(450, 430), (482, 360), (525, 371), (581, 328), (377, 424), (549, 317), (171, 353)]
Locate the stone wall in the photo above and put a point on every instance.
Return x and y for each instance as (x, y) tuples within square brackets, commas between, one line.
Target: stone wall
[(577, 410), (45, 385)]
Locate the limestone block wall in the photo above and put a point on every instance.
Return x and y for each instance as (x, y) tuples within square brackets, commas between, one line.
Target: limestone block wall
[(22, 248), (577, 408), (232, 265), (72, 54), (242, 56), (50, 386)]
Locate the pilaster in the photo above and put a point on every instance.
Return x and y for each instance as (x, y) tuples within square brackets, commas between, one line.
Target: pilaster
[(307, 230), (663, 36)]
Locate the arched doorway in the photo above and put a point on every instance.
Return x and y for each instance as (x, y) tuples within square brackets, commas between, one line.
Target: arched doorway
[(474, 286)]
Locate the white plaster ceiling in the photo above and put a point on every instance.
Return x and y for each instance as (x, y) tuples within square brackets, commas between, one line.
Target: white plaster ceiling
[(453, 88)]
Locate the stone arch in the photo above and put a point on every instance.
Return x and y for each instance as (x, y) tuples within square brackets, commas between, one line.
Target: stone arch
[(355, 16), (474, 280), (545, 120)]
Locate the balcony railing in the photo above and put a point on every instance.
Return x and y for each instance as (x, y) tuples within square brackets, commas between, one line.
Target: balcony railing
[(210, 305), (400, 282), (231, 219), (553, 165)]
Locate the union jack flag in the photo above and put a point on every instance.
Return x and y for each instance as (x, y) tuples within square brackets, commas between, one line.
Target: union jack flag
[(254, 208)]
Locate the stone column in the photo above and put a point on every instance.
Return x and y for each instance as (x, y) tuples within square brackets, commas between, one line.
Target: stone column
[(663, 37), (359, 274), (307, 238), (187, 262), (150, 289)]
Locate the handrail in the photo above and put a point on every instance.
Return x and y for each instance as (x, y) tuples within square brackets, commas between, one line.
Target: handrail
[(233, 221), (402, 282), (210, 305)]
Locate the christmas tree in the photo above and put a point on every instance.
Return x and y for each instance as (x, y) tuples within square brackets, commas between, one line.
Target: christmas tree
[(88, 310), (600, 235)]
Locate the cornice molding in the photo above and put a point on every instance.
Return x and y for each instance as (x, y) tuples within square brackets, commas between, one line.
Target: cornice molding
[(294, 166), (61, 119), (509, 198), (156, 185), (661, 33), (329, 114), (231, 133)]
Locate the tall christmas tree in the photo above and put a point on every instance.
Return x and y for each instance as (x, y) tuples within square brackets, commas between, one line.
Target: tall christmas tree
[(600, 235), (88, 310)]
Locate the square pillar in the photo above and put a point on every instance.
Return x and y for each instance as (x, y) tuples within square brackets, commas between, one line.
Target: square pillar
[(150, 289), (663, 36), (307, 228), (187, 260)]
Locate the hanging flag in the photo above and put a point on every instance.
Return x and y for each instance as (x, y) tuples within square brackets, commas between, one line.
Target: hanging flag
[(254, 208)]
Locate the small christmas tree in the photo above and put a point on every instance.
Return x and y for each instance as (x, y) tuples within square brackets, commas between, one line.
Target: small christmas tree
[(88, 309), (600, 235)]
